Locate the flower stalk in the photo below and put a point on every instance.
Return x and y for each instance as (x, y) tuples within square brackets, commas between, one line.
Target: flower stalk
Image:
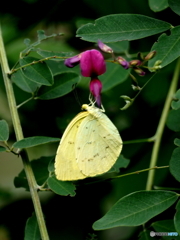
[(161, 125), (19, 135)]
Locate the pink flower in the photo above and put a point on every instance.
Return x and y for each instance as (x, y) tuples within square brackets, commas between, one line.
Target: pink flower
[(92, 65)]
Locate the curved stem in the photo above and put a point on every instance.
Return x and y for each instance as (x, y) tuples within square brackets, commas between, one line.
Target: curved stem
[(126, 174), (160, 128), (29, 99), (19, 135), (140, 171), (34, 62)]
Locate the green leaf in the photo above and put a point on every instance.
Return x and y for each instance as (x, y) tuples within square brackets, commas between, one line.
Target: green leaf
[(27, 41), (119, 27), (40, 169), (47, 54), (170, 50), (176, 102), (175, 6), (63, 84), (115, 75), (136, 209), (159, 5), (4, 130), (32, 229), (23, 82), (2, 149), (177, 218), (61, 187), (173, 120), (38, 72), (166, 226), (177, 142), (41, 37), (175, 164), (34, 141), (122, 162)]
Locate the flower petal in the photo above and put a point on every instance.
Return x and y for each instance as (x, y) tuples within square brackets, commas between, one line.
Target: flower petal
[(95, 89), (104, 47), (92, 63), (72, 62)]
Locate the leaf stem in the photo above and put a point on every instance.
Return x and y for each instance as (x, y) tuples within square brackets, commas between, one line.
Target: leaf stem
[(19, 135), (166, 188), (27, 100), (125, 175), (160, 128), (140, 171), (34, 62), (139, 140)]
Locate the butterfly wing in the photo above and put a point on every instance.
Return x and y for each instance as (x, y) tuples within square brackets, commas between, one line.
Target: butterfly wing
[(98, 145), (66, 168)]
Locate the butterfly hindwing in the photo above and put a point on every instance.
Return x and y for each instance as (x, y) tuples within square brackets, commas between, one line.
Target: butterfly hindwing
[(66, 168)]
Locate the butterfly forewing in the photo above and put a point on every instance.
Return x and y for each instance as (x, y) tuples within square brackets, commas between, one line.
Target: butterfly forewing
[(98, 145)]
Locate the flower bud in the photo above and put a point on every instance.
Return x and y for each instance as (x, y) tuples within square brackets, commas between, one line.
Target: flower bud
[(123, 62), (139, 71), (134, 63), (135, 88), (150, 55), (140, 55), (104, 47)]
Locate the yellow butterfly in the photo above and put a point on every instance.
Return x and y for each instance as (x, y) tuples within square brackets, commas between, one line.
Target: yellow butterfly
[(89, 146)]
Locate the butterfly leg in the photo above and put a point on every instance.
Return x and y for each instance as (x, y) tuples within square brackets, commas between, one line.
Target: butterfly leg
[(92, 103)]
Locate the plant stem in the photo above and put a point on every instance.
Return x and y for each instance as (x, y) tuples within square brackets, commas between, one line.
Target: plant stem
[(34, 62), (139, 171), (29, 99), (160, 128), (19, 135), (126, 174), (139, 140)]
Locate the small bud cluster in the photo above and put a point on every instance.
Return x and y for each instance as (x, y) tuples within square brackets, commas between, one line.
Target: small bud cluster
[(136, 64)]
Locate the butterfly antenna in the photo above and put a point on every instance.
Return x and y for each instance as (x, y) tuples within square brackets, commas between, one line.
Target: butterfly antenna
[(76, 94)]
